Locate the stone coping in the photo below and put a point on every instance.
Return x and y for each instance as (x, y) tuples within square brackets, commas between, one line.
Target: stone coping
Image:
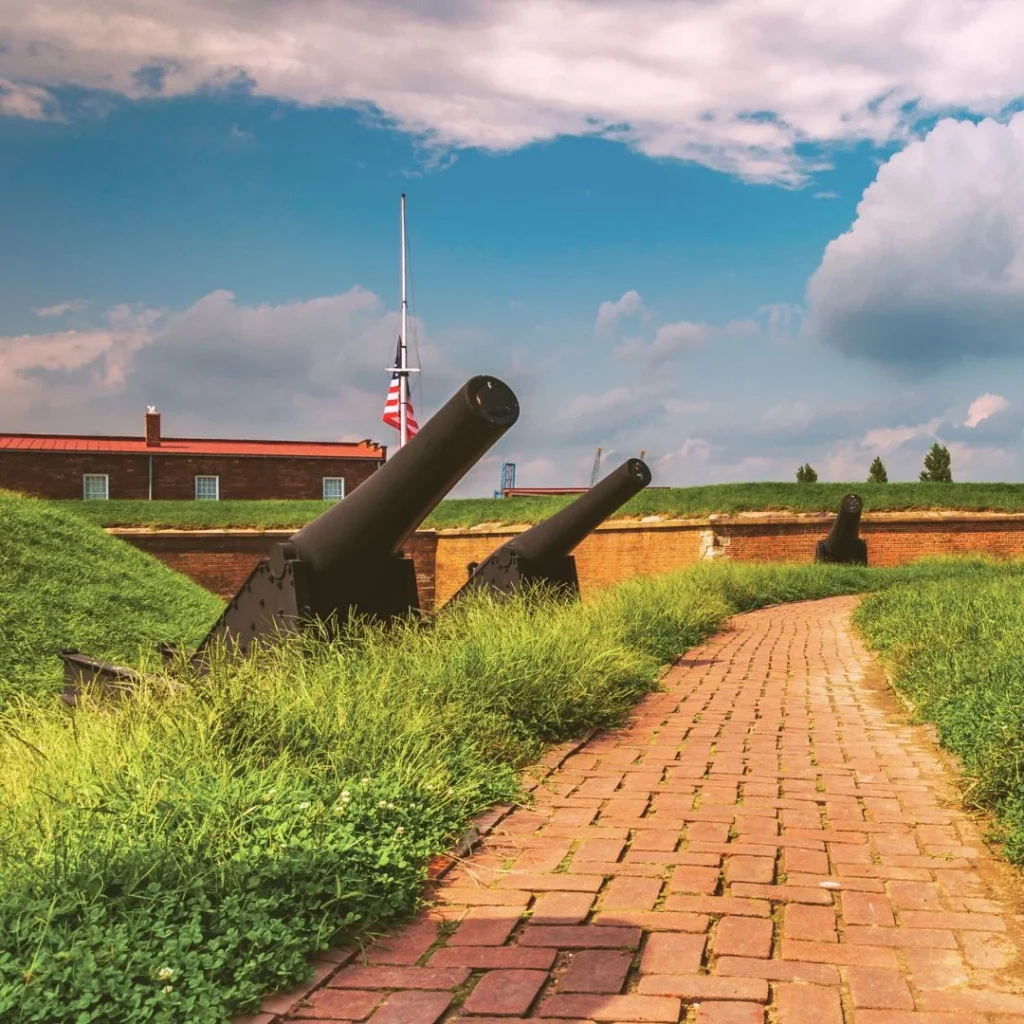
[(752, 519)]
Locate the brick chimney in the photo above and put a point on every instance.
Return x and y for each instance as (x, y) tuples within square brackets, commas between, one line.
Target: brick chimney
[(152, 427)]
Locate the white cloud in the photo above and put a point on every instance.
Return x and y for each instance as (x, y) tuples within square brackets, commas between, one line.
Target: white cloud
[(60, 308), (933, 267), (736, 86), (21, 99), (882, 440), (790, 413), (610, 313), (692, 450), (673, 339), (311, 367), (983, 407)]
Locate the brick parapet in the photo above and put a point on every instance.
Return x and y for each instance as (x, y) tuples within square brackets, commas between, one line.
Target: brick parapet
[(220, 560)]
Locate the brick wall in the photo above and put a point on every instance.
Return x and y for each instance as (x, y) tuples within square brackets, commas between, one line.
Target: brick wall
[(221, 560), (892, 539), (612, 553), (59, 474)]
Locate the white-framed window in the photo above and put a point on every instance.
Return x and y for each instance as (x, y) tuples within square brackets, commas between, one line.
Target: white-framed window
[(334, 488), (95, 486), (207, 488)]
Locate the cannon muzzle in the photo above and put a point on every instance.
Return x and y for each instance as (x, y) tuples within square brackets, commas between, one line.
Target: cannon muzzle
[(349, 558), (843, 545), (543, 553)]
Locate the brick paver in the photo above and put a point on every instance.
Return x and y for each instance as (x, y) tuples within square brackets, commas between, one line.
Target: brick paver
[(768, 839)]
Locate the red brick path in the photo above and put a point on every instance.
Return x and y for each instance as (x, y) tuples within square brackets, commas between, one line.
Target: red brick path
[(765, 841)]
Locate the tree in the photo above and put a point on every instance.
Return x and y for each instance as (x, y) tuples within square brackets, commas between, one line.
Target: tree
[(937, 466), (806, 475), (877, 473)]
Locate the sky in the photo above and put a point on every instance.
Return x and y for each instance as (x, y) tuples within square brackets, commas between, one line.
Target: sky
[(734, 235)]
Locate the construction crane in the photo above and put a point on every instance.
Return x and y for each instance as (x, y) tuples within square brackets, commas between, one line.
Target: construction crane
[(597, 467), (508, 478)]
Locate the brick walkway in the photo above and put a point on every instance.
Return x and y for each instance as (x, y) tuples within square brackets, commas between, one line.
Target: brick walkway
[(765, 841)]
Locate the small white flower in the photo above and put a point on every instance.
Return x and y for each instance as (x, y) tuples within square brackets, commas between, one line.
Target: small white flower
[(165, 973), (167, 989), (399, 830), (383, 804), (365, 781), (339, 808), (391, 807), (346, 795), (304, 806)]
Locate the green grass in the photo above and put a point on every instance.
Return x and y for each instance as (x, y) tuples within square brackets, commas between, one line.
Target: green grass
[(957, 653), (66, 584), (675, 502), (178, 856)]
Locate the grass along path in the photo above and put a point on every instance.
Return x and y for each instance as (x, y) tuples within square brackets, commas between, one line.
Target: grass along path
[(669, 502), (177, 857), (957, 654)]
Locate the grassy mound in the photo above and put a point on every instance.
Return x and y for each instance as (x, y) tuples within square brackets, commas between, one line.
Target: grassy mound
[(958, 653), (178, 856), (669, 502), (66, 583)]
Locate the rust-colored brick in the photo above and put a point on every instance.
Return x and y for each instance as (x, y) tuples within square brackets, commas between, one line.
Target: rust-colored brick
[(221, 560), (58, 474)]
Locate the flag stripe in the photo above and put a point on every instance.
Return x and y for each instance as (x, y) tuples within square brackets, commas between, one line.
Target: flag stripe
[(392, 403)]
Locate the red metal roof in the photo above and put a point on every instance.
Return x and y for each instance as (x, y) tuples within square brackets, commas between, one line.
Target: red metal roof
[(192, 446), (529, 492)]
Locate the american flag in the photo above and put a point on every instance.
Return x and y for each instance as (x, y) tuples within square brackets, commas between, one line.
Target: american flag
[(392, 412)]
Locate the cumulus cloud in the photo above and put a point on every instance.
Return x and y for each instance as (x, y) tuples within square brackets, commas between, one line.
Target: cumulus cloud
[(983, 407), (932, 269), (21, 99), (741, 87), (599, 418), (610, 313), (673, 339), (60, 308), (311, 367)]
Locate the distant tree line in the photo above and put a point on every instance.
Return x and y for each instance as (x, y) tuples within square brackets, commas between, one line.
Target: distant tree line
[(938, 468)]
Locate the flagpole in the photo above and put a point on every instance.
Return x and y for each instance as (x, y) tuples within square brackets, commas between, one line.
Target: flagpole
[(403, 370)]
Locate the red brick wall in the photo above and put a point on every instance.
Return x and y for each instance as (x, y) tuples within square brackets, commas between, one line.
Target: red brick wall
[(221, 560), (59, 474), (890, 541), (611, 553)]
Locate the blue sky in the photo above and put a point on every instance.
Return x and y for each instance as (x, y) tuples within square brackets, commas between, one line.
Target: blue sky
[(824, 263)]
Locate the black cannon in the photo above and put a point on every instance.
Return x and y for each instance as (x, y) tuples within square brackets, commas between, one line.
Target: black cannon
[(542, 553), (349, 558), (843, 544)]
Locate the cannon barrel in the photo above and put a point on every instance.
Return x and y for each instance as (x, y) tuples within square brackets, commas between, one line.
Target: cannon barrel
[(560, 533), (380, 515), (542, 553), (349, 558), (843, 543)]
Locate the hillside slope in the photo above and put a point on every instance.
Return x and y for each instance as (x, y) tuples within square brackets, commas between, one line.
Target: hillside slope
[(66, 583)]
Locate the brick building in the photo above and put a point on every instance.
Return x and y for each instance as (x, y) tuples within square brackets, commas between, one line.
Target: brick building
[(179, 468)]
